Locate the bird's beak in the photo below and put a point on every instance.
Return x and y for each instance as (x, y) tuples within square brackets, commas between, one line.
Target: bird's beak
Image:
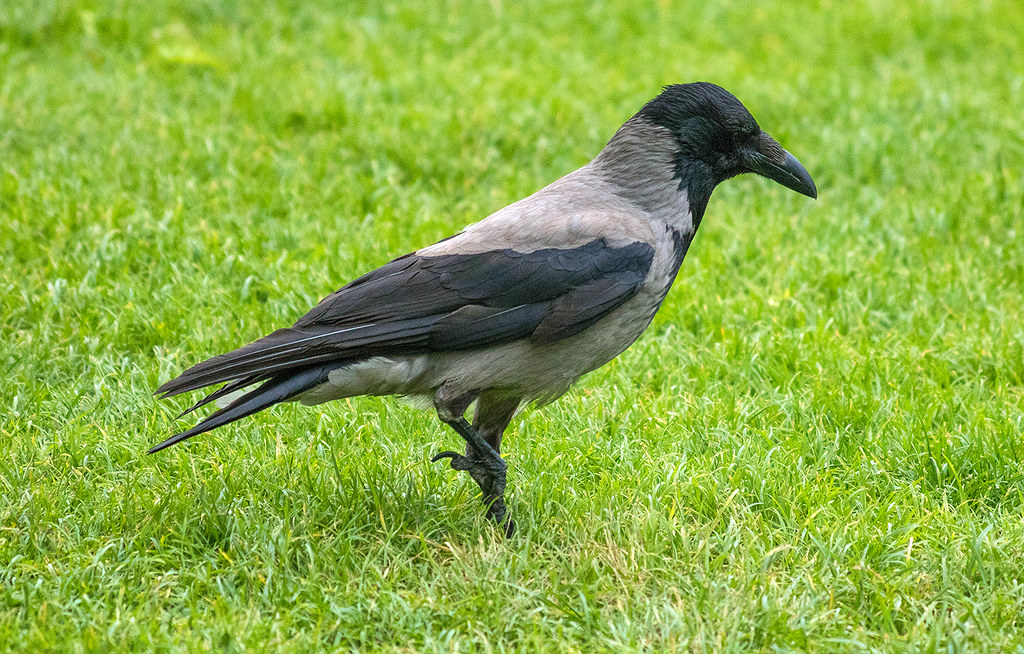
[(771, 161)]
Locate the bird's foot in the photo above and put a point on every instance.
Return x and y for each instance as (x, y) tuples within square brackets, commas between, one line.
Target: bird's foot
[(489, 475)]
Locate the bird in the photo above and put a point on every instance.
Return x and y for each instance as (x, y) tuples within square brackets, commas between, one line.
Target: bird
[(517, 307)]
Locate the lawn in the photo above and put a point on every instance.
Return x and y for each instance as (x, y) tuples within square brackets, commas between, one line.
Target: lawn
[(817, 445)]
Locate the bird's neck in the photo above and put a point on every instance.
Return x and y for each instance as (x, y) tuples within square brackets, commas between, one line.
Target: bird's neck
[(640, 164)]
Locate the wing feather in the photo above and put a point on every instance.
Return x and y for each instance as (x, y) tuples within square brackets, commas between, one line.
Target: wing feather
[(421, 304)]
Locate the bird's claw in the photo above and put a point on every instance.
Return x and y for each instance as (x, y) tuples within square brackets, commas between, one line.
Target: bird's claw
[(458, 461), (489, 475)]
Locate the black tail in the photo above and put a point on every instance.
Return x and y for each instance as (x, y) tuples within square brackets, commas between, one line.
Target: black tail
[(224, 390), (276, 389)]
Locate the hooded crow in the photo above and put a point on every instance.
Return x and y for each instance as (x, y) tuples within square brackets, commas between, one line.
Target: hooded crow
[(518, 306)]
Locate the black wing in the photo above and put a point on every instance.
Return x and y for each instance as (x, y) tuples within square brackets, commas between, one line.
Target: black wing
[(418, 304)]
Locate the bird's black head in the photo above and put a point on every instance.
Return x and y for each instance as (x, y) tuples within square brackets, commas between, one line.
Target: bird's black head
[(719, 139)]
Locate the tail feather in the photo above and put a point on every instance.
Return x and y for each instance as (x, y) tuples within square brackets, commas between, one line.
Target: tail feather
[(300, 347), (226, 389), (212, 370), (276, 389)]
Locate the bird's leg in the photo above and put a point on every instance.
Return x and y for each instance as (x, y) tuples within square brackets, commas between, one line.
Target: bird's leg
[(491, 418), (481, 461)]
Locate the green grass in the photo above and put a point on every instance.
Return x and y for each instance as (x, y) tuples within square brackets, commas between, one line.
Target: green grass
[(817, 445)]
